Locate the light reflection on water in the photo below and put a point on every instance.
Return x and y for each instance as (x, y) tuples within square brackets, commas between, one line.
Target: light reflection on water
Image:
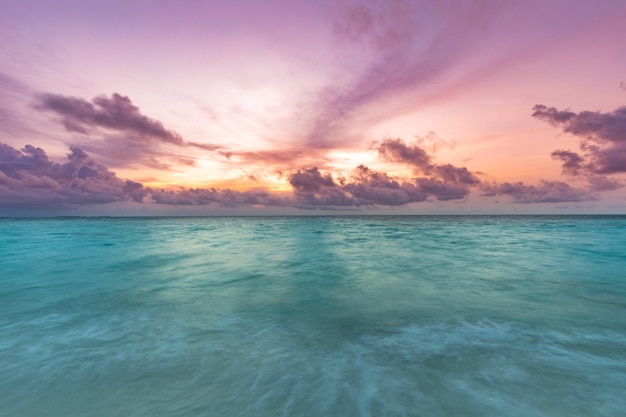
[(345, 316)]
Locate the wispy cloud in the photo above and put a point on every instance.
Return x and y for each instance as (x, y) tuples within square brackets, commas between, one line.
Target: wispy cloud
[(279, 160), (14, 99), (407, 44)]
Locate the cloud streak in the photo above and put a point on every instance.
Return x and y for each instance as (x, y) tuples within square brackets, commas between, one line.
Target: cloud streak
[(280, 160), (408, 45)]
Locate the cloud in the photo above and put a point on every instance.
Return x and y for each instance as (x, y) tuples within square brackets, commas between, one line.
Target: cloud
[(395, 150), (116, 113), (126, 134), (367, 187), (405, 44), (225, 198), (371, 187), (29, 179), (455, 175), (441, 190), (310, 181), (603, 139), (312, 189), (572, 162), (545, 192), (603, 148)]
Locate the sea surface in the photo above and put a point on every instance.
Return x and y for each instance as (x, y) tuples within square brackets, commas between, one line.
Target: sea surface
[(313, 316)]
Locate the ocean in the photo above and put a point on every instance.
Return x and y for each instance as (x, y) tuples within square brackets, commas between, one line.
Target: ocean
[(313, 316)]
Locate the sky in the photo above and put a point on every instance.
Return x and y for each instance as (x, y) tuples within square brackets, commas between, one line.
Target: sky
[(192, 107)]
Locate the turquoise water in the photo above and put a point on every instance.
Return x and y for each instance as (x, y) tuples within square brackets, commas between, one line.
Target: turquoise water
[(313, 316)]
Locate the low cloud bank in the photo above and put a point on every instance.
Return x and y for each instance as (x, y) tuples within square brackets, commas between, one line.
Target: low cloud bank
[(28, 179)]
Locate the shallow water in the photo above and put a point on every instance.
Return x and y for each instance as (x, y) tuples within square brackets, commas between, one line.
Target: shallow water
[(313, 316)]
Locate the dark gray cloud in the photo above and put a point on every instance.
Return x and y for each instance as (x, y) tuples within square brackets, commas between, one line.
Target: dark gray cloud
[(124, 134), (367, 187), (116, 113), (29, 179), (279, 160), (441, 190), (600, 127), (395, 150), (602, 139), (372, 187), (225, 197), (602, 183), (312, 189), (573, 163), (455, 175), (310, 180), (545, 192)]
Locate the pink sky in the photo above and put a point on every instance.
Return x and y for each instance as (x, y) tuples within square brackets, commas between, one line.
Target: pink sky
[(399, 106)]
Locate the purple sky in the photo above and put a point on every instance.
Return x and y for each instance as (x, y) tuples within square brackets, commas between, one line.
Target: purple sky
[(206, 107)]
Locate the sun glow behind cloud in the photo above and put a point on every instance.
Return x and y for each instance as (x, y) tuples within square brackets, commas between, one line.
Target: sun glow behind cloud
[(346, 160)]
